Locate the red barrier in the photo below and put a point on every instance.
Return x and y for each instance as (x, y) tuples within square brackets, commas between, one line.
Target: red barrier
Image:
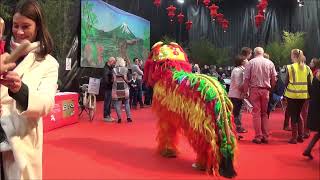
[(64, 112)]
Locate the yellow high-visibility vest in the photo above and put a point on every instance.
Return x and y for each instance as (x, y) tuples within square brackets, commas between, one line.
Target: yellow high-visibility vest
[(298, 82)]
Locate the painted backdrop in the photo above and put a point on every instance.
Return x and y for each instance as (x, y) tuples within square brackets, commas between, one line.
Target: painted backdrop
[(108, 31)]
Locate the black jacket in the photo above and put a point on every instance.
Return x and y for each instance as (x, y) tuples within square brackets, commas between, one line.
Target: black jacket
[(108, 77)]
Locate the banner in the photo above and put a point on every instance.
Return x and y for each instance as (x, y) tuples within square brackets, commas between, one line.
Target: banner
[(108, 31)]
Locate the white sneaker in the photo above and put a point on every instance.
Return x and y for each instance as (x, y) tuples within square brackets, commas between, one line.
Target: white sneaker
[(109, 119), (198, 167), (5, 146)]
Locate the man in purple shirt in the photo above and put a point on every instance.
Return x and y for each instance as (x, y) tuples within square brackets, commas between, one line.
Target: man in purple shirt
[(260, 76)]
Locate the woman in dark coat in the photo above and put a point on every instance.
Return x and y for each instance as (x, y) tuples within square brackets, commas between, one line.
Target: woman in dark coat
[(313, 115)]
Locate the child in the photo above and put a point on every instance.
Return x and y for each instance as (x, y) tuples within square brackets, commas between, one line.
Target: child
[(134, 85)]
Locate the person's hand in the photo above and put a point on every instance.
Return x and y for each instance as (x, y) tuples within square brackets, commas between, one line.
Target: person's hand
[(5, 66), (12, 80)]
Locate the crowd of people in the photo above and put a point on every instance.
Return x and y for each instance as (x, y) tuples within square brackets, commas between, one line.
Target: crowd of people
[(256, 80), (123, 83)]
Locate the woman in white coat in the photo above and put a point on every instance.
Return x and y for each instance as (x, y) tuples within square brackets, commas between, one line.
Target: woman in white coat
[(27, 93)]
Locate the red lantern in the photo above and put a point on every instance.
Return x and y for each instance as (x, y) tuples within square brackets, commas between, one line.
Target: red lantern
[(220, 17), (259, 19), (264, 4), (213, 10), (157, 3), (171, 12), (188, 25), (225, 24), (180, 18), (206, 2)]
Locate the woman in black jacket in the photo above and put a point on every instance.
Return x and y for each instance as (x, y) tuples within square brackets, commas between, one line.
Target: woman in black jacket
[(313, 117)]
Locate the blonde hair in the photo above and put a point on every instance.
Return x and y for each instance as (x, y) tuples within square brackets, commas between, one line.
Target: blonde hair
[(120, 62), (266, 55), (2, 27), (299, 57)]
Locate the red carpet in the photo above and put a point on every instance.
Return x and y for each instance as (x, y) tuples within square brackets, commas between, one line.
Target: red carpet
[(100, 150)]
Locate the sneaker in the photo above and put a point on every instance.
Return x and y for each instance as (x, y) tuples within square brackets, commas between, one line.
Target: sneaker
[(108, 119), (307, 154), (241, 130), (306, 135), (5, 146), (264, 140), (256, 140), (293, 141), (198, 167), (300, 139)]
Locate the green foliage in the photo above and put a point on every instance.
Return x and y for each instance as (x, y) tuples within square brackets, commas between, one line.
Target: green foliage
[(57, 15), (275, 49), (5, 12), (280, 52), (204, 52), (292, 41)]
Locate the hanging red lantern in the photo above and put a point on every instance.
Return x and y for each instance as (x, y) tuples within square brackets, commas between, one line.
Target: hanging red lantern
[(206, 2), (213, 10), (259, 20), (220, 17), (264, 4), (180, 18), (225, 24), (157, 3), (188, 25), (171, 12)]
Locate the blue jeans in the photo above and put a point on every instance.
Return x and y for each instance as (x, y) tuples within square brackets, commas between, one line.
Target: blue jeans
[(107, 104), (117, 105)]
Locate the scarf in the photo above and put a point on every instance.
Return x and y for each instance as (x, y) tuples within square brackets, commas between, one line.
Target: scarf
[(33, 47)]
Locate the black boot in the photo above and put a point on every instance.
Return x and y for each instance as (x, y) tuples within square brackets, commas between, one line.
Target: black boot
[(119, 120), (129, 120)]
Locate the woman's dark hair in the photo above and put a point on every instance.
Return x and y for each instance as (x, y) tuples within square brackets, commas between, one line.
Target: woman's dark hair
[(245, 51), (316, 63), (238, 60), (32, 10)]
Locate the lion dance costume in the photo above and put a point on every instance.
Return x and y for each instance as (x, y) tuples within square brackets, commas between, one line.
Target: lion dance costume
[(194, 104)]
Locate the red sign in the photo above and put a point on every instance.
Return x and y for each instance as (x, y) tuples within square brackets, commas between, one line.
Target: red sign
[(64, 112)]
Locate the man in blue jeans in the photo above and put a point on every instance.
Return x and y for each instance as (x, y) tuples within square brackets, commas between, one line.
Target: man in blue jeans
[(108, 81)]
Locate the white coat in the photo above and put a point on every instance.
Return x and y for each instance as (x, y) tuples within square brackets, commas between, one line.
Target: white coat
[(25, 128)]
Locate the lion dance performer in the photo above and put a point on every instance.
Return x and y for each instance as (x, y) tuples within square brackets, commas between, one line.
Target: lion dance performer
[(194, 104)]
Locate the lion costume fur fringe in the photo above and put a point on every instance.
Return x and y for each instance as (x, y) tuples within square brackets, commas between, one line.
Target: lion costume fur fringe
[(193, 104)]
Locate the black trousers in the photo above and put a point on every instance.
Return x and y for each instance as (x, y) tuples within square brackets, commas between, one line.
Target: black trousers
[(1, 167), (294, 108), (237, 104)]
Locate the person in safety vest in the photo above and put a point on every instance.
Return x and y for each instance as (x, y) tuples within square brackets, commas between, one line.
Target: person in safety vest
[(299, 77)]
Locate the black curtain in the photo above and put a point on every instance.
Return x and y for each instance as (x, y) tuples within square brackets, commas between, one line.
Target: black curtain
[(281, 15)]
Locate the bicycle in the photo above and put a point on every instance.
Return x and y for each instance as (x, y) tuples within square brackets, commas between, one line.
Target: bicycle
[(87, 101)]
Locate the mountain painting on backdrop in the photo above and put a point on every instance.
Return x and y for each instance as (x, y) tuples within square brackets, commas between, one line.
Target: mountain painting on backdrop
[(108, 31)]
